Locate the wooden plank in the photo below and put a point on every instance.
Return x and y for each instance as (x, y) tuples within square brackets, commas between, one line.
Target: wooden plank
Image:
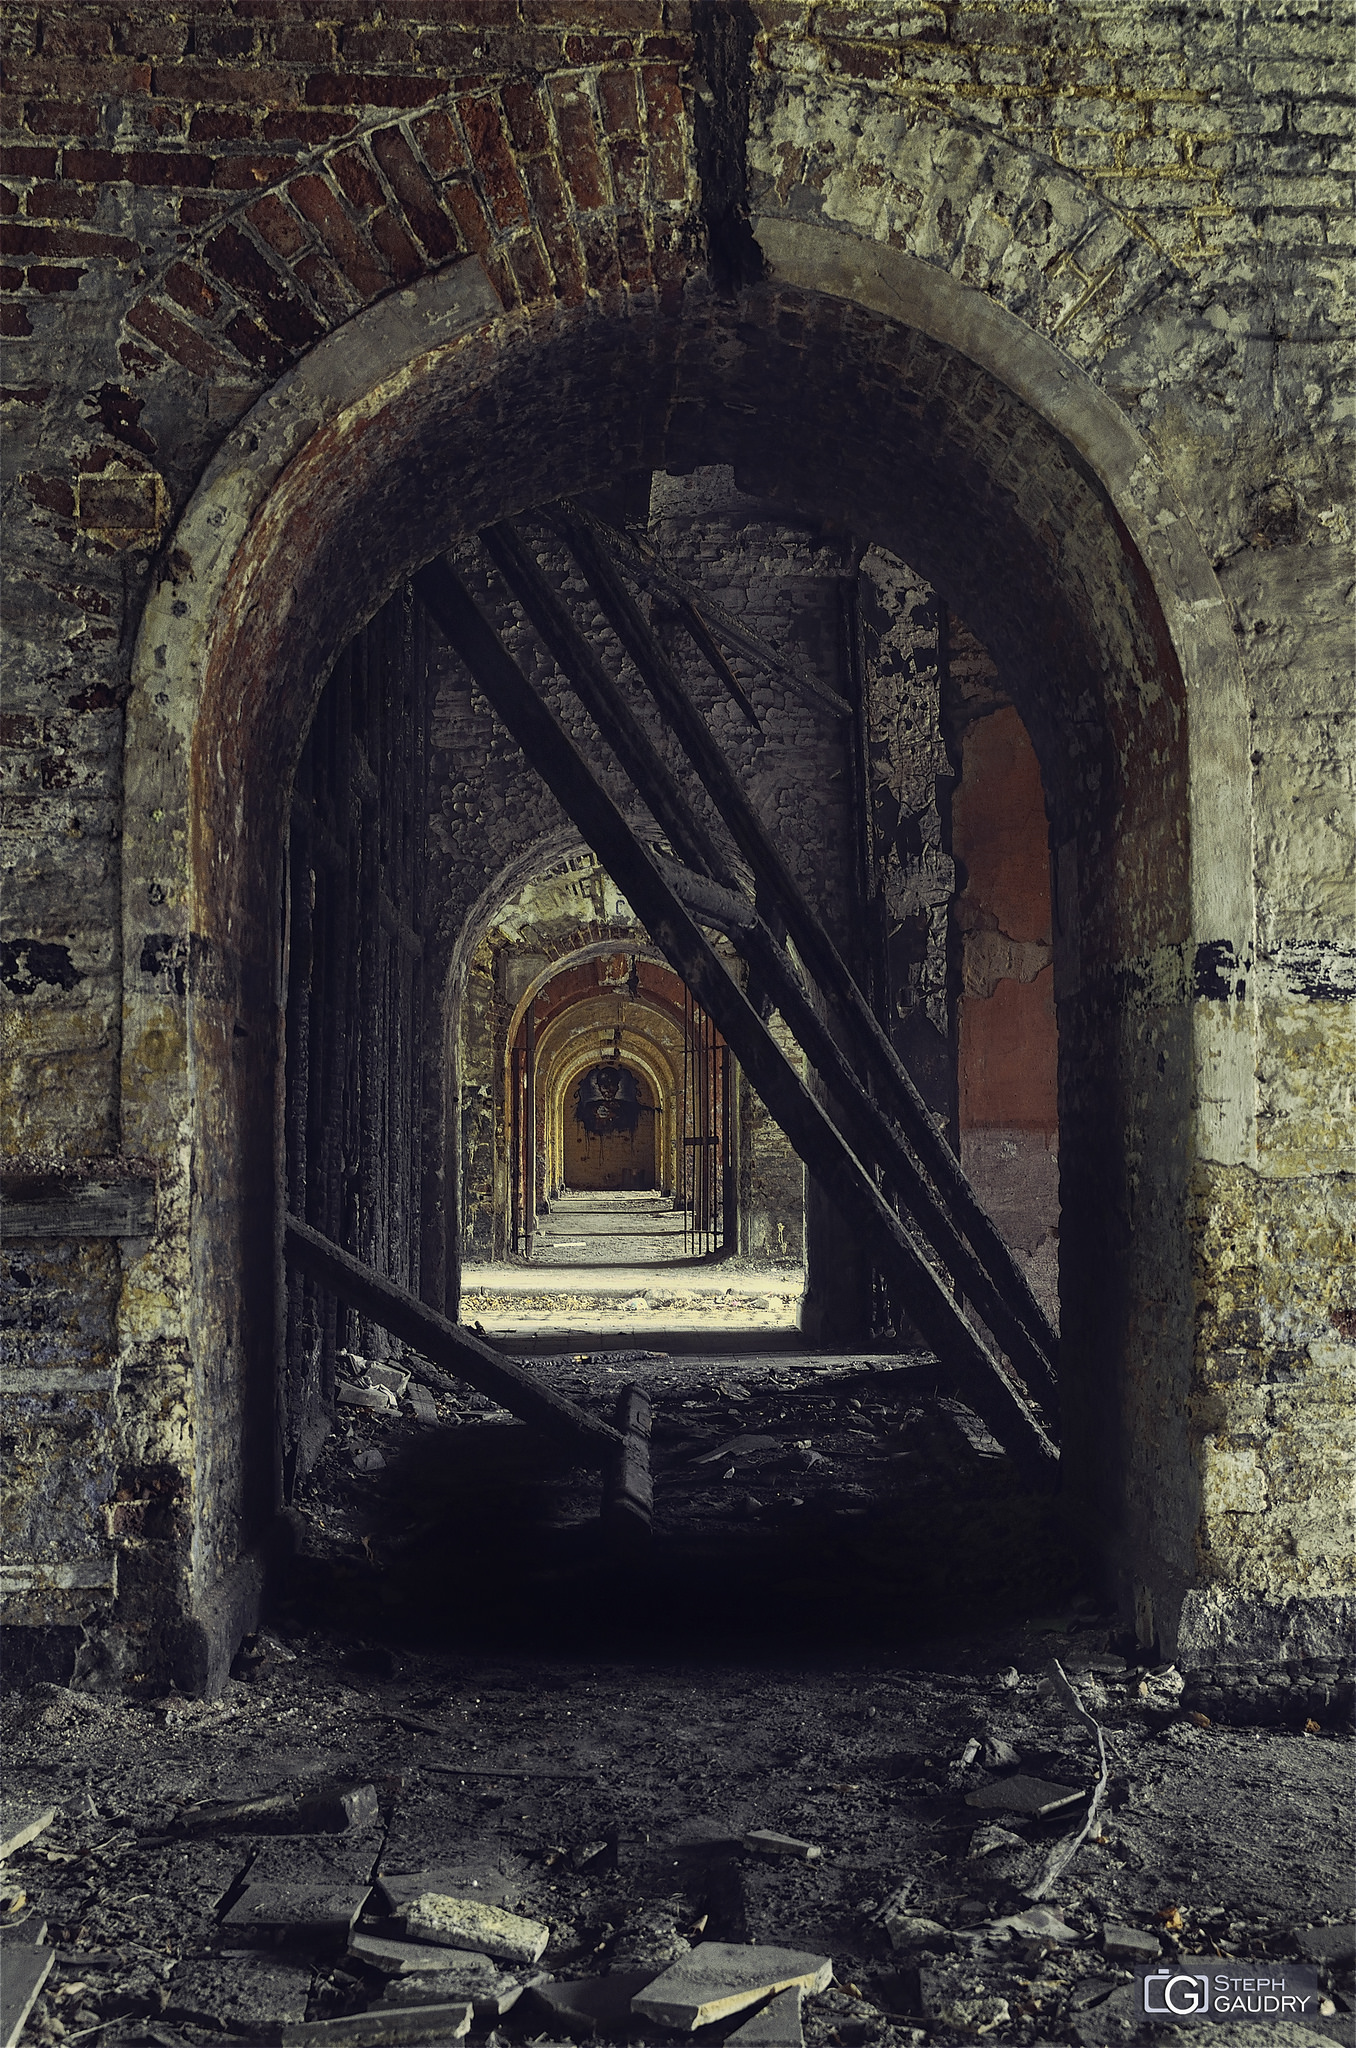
[(463, 1356), (642, 563), (605, 704), (628, 1489), (706, 643), (978, 1375), (92, 1209), (777, 887)]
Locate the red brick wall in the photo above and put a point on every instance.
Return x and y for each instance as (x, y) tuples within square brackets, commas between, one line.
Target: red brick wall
[(1007, 1041)]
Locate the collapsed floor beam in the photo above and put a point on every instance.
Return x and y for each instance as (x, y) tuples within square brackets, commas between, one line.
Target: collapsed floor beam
[(458, 1353), (977, 1373), (590, 542), (872, 1134)]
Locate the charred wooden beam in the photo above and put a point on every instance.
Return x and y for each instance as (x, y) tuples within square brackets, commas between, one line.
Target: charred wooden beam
[(463, 1356), (978, 1374), (628, 1490), (66, 1205), (644, 564), (709, 646), (598, 693), (720, 904), (778, 888)]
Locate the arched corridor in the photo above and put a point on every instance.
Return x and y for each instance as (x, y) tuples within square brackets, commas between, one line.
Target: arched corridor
[(678, 1180)]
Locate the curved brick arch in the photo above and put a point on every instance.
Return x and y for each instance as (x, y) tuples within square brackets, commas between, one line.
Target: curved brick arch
[(997, 217), (574, 183), (434, 411)]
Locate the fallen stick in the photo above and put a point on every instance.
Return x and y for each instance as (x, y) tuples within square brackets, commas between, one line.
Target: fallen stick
[(1064, 1852)]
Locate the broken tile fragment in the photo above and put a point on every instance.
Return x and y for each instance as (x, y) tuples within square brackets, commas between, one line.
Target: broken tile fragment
[(380, 1400), (382, 2025), (420, 1404), (776, 2026), (339, 1809), (1024, 1795), (1037, 1923), (297, 1912), (469, 1923), (1128, 1944), (723, 1977), (24, 1974), (20, 1825), (401, 1958), (239, 1993), (911, 1931), (764, 1842), (491, 1991), (584, 2006)]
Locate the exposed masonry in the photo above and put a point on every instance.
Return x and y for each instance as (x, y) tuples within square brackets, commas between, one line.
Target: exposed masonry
[(1164, 195)]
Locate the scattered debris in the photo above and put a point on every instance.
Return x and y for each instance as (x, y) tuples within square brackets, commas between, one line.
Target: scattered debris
[(20, 1825), (381, 2025), (909, 1931), (25, 1971), (583, 2006), (237, 1992), (738, 1447), (338, 1808), (1128, 1944), (999, 1755), (721, 1977), (776, 2026), (1037, 1923), (764, 1842), (977, 2016), (470, 1924), (420, 1404), (988, 1841), (377, 1399), (297, 1912), (1024, 1795)]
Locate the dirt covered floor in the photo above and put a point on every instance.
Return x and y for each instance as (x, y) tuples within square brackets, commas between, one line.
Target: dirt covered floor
[(843, 1633)]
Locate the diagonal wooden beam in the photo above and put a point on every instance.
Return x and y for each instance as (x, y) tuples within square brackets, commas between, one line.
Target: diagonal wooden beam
[(715, 899), (644, 564), (654, 780), (589, 542), (454, 1349), (977, 1373)]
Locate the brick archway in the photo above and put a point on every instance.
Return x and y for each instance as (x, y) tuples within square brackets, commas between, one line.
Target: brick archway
[(1027, 497)]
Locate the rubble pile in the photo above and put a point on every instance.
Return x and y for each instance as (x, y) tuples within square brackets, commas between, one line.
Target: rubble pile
[(392, 1830)]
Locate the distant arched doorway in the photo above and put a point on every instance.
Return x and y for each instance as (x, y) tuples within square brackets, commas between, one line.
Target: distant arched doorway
[(608, 1130)]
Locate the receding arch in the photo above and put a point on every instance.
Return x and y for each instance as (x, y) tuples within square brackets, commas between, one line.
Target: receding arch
[(851, 385)]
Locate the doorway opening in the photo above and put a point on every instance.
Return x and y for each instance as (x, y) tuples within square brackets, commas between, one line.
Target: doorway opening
[(1054, 590)]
